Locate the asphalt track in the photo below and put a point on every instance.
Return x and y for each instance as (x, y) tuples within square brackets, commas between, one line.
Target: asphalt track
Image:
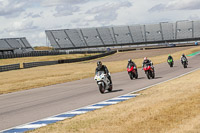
[(27, 106)]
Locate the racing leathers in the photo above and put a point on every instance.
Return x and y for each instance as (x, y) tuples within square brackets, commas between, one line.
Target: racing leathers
[(183, 57), (131, 63), (105, 69), (147, 62)]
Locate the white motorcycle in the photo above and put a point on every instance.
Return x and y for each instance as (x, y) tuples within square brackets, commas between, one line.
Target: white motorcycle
[(103, 82)]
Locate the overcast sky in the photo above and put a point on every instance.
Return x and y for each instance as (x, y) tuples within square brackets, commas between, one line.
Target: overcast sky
[(30, 18)]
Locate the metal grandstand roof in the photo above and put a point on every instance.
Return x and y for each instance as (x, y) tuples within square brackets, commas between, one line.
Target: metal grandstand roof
[(124, 35)]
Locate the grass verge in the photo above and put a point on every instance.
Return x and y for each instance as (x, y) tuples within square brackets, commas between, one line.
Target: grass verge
[(171, 107), (48, 75)]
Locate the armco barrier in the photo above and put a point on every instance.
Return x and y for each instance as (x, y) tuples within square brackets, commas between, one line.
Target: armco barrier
[(9, 67), (86, 58), (45, 63), (85, 52), (36, 64), (32, 54)]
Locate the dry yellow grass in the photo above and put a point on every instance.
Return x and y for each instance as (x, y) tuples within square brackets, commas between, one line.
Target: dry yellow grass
[(42, 48), (171, 107), (48, 75)]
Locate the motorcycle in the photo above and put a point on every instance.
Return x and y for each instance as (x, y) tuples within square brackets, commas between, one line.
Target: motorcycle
[(149, 71), (184, 63), (132, 72), (170, 62), (103, 82)]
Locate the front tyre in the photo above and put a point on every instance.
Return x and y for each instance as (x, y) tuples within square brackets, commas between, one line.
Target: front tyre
[(148, 75), (101, 88), (136, 75), (185, 65), (171, 65), (130, 75), (110, 88), (153, 74)]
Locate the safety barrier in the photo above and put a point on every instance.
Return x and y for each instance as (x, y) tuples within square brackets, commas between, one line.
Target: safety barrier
[(32, 54), (45, 63), (86, 58), (9, 67), (36, 64)]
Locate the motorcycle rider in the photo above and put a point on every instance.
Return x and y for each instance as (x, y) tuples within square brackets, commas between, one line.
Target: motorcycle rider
[(170, 57), (131, 63), (101, 67), (147, 61), (183, 57)]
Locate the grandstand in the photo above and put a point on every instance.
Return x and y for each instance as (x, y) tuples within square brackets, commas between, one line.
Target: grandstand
[(130, 35), (14, 46)]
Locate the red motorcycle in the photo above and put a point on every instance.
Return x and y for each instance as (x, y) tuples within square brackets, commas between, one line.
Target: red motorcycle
[(149, 71), (132, 72)]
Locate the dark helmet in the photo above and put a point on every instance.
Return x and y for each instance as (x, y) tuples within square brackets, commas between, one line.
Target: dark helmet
[(99, 64), (183, 54), (129, 60)]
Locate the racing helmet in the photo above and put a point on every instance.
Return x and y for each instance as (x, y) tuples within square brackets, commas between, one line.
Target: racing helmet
[(145, 58), (129, 60), (99, 64)]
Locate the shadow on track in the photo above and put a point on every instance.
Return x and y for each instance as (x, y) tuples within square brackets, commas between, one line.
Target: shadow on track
[(158, 77), (114, 91), (141, 78)]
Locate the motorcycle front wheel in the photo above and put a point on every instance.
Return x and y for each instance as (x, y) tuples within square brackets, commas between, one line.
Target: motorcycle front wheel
[(148, 75), (101, 88), (153, 74), (130, 75), (136, 75), (110, 88), (171, 65), (185, 65)]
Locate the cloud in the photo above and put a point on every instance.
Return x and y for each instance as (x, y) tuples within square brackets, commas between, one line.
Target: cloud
[(65, 10), (63, 2), (108, 12), (33, 15), (64, 7), (23, 25), (177, 5), (11, 8)]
